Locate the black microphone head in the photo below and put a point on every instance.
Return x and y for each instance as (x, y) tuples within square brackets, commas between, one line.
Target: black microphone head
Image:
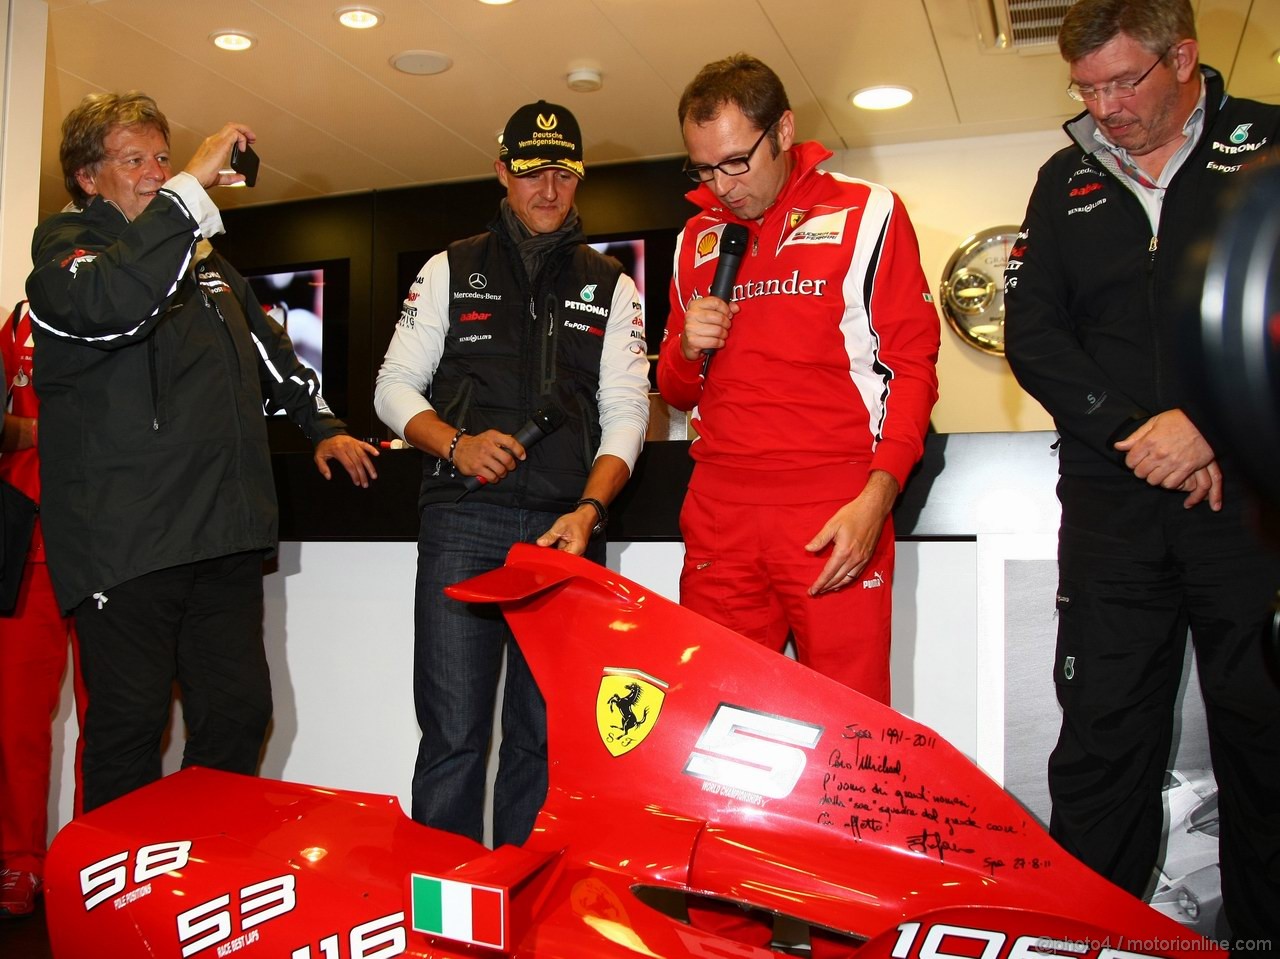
[(733, 240), (550, 418)]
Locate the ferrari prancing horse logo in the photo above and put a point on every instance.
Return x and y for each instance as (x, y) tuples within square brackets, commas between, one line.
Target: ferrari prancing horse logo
[(627, 707)]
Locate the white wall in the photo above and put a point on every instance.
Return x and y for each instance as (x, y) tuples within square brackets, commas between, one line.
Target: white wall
[(953, 189), (21, 115), (339, 635)]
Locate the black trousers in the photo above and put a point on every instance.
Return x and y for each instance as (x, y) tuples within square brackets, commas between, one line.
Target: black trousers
[(1136, 570), (199, 624)]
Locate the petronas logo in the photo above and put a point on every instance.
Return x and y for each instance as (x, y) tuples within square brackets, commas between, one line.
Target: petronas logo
[(1240, 133)]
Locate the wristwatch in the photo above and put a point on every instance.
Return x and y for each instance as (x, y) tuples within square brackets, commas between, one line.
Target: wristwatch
[(602, 514)]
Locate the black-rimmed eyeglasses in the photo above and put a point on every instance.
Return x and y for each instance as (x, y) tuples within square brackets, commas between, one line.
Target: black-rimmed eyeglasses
[(1115, 90), (734, 166)]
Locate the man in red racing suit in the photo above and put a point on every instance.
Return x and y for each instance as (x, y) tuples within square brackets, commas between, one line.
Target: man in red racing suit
[(814, 408)]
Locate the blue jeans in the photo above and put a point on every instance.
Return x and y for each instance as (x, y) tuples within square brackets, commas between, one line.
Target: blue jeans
[(457, 660)]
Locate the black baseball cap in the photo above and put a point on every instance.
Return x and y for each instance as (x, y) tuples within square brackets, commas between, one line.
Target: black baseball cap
[(539, 135)]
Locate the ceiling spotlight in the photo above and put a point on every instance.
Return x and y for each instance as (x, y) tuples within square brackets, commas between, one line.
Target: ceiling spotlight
[(358, 18), (235, 40), (421, 63), (881, 98), (584, 80), (497, 3), (1276, 56)]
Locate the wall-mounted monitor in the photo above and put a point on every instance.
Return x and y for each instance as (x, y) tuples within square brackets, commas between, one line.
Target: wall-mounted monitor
[(630, 252), (312, 301), (647, 258)]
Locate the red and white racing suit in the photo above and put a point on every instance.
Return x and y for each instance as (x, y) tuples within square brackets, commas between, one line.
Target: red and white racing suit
[(828, 373), (33, 644)]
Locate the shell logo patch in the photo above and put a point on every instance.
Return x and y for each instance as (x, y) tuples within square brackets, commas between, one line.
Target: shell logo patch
[(627, 707), (708, 245)]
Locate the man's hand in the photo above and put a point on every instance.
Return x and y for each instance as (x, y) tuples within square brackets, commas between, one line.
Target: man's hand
[(1204, 483), (352, 454), (214, 155), (706, 326), (572, 531), (489, 456), (853, 533), (1168, 451)]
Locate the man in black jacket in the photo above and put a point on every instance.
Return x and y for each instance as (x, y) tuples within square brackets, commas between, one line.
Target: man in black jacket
[(1155, 534), (156, 363), (522, 319)]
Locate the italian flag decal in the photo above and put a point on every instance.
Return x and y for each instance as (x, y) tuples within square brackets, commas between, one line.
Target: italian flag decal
[(461, 911)]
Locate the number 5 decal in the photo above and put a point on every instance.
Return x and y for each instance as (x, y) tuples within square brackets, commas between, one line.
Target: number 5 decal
[(744, 749)]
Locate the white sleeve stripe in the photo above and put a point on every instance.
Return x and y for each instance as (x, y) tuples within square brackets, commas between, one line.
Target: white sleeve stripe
[(675, 267), (108, 337), (858, 325), (172, 195), (266, 361)]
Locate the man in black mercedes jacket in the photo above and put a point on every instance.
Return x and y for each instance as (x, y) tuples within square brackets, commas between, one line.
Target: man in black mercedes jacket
[(156, 364), (521, 319), (1155, 534)]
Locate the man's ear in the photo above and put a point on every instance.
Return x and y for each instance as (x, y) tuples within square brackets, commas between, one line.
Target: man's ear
[(1186, 60), (500, 168), (786, 130), (85, 179)]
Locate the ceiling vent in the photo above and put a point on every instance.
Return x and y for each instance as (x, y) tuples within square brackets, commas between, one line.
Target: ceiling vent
[(1030, 26)]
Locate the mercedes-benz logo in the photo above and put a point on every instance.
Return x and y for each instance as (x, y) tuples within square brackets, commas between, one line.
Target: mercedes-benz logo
[(478, 281)]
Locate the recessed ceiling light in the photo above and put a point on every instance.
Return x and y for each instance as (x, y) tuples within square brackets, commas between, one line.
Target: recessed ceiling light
[(235, 40), (1276, 56), (497, 3), (358, 18), (885, 97), (421, 63)]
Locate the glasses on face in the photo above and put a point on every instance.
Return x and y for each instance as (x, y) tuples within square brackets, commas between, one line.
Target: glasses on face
[(1116, 89), (734, 166)]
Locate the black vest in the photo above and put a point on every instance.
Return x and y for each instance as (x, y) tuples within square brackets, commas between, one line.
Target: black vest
[(515, 346)]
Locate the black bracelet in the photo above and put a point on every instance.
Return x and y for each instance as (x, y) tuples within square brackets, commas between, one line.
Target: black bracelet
[(453, 448), (602, 514)]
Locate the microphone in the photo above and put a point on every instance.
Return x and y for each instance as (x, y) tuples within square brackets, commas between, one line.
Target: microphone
[(733, 244), (543, 422)]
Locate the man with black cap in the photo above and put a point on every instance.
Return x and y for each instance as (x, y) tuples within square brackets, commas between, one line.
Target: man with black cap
[(522, 324)]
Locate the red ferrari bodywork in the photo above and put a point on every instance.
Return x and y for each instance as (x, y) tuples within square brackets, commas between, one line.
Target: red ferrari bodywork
[(686, 764)]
